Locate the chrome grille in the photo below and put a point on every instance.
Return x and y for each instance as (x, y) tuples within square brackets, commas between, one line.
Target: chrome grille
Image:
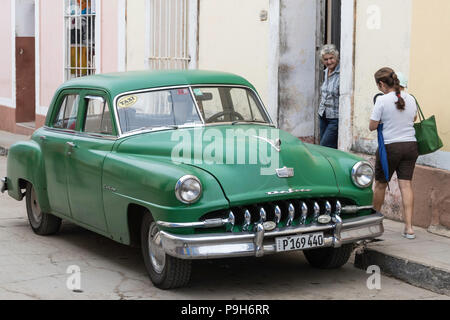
[(284, 213)]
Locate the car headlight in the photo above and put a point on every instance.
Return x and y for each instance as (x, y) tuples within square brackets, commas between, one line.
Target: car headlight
[(362, 174), (188, 189)]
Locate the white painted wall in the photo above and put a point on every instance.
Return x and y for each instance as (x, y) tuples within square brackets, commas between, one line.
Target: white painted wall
[(232, 38), (345, 139), (25, 18), (7, 55), (137, 11)]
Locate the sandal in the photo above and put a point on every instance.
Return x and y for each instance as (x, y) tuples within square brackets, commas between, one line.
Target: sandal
[(409, 235)]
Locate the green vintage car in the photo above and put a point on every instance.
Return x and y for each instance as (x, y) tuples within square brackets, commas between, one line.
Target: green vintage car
[(188, 165)]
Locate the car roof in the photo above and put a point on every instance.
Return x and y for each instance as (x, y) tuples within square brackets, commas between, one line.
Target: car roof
[(120, 82)]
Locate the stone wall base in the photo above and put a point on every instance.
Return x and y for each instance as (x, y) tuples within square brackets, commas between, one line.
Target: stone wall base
[(8, 122), (431, 188)]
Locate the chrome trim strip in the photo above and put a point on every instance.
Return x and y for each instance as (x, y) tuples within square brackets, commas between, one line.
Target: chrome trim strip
[(98, 98), (82, 134), (196, 104), (210, 223), (68, 131), (354, 209)]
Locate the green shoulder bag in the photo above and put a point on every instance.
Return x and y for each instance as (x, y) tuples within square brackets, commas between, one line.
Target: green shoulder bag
[(426, 133)]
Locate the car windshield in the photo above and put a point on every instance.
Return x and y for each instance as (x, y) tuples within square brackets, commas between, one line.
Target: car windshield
[(155, 109), (229, 104), (175, 107)]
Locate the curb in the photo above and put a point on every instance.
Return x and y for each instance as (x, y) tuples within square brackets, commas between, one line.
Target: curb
[(416, 274)]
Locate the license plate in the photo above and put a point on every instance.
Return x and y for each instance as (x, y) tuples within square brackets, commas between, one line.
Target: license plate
[(300, 242)]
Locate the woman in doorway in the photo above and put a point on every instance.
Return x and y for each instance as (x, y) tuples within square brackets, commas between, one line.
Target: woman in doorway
[(329, 97), (396, 109)]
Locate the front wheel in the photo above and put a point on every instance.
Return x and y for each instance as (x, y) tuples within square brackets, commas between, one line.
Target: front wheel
[(42, 223), (329, 258), (166, 272)]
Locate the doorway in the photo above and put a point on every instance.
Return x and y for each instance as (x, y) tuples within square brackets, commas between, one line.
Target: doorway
[(25, 63), (333, 23)]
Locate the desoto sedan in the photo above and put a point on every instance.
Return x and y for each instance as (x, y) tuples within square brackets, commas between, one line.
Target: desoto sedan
[(188, 165)]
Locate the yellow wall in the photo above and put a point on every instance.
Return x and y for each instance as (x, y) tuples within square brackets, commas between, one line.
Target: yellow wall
[(232, 38), (429, 68)]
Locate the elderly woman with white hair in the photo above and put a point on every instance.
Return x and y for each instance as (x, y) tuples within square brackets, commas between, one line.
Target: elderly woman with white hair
[(329, 97)]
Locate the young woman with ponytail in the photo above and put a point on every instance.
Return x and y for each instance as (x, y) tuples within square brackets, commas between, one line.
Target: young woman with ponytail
[(397, 110)]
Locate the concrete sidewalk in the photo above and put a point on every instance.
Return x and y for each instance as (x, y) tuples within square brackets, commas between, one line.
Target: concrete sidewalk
[(422, 262), (7, 139)]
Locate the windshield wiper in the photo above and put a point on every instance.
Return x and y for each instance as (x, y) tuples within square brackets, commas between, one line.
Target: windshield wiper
[(238, 121), (252, 121), (154, 128)]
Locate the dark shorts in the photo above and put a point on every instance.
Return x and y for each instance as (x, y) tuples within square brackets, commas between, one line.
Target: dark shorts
[(401, 157)]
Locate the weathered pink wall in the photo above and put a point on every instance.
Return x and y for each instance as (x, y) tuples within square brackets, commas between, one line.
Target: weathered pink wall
[(51, 50), (109, 30), (6, 52)]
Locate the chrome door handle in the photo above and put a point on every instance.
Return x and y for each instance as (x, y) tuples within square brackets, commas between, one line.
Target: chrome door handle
[(43, 138), (72, 146)]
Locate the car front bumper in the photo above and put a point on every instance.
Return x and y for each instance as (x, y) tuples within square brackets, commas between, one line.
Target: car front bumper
[(261, 242)]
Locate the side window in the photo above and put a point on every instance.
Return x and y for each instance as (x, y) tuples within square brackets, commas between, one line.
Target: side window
[(245, 104), (67, 114), (211, 106), (98, 117)]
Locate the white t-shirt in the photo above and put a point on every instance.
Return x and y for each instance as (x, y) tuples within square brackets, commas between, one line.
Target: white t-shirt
[(398, 125)]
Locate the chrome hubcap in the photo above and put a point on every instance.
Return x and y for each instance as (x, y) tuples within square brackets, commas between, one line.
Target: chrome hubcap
[(156, 252), (35, 209)]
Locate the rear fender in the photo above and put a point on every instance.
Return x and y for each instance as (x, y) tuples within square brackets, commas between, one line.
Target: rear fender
[(25, 164)]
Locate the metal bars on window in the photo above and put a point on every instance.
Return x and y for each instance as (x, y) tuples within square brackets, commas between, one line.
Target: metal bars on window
[(79, 19), (168, 34)]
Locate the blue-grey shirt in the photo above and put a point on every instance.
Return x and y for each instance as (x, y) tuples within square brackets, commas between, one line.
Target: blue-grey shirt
[(329, 95)]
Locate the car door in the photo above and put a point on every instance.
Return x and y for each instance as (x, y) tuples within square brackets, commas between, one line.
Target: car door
[(55, 144), (93, 142)]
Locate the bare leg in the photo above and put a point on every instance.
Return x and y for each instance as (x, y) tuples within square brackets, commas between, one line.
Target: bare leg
[(378, 195), (408, 203)]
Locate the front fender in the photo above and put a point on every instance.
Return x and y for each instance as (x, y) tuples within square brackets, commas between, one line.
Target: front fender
[(342, 163), (149, 181), (25, 163)]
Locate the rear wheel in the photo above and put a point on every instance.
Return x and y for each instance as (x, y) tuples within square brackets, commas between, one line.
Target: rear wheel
[(166, 272), (329, 258), (42, 223)]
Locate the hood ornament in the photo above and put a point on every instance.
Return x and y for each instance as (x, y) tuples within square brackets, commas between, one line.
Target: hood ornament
[(285, 172)]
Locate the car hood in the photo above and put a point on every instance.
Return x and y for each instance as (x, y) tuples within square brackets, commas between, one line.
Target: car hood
[(244, 160)]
